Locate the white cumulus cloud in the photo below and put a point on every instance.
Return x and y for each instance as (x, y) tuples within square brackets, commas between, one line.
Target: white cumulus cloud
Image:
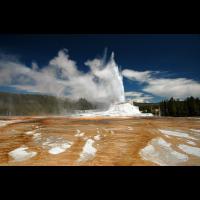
[(136, 75), (176, 87), (164, 87), (138, 97)]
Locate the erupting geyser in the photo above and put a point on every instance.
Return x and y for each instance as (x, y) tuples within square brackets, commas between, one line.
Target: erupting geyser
[(119, 106), (118, 77)]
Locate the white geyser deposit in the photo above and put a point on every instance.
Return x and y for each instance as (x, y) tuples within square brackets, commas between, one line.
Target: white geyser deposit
[(21, 154), (88, 151)]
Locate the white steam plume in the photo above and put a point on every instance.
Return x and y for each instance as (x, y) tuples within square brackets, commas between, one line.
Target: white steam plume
[(61, 77)]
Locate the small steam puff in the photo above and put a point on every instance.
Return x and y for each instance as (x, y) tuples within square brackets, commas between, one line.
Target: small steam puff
[(61, 77)]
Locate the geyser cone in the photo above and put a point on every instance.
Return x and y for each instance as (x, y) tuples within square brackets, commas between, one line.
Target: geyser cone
[(123, 109)]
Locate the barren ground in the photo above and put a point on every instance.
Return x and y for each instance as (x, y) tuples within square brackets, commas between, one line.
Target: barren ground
[(118, 141)]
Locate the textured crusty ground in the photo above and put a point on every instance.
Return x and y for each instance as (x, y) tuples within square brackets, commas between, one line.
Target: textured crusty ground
[(118, 146)]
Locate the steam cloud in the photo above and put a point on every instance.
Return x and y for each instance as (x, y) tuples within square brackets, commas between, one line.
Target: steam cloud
[(61, 77)]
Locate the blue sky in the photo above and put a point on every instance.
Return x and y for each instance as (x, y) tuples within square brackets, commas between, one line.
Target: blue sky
[(173, 56)]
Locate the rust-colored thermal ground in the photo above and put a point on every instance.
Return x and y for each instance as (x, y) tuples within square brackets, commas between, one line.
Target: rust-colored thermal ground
[(100, 141)]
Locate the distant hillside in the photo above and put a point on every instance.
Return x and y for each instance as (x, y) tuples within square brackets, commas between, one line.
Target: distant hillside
[(34, 104)]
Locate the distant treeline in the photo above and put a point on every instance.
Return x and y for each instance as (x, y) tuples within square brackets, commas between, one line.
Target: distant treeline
[(172, 107), (189, 107), (35, 104), (32, 104), (148, 107)]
